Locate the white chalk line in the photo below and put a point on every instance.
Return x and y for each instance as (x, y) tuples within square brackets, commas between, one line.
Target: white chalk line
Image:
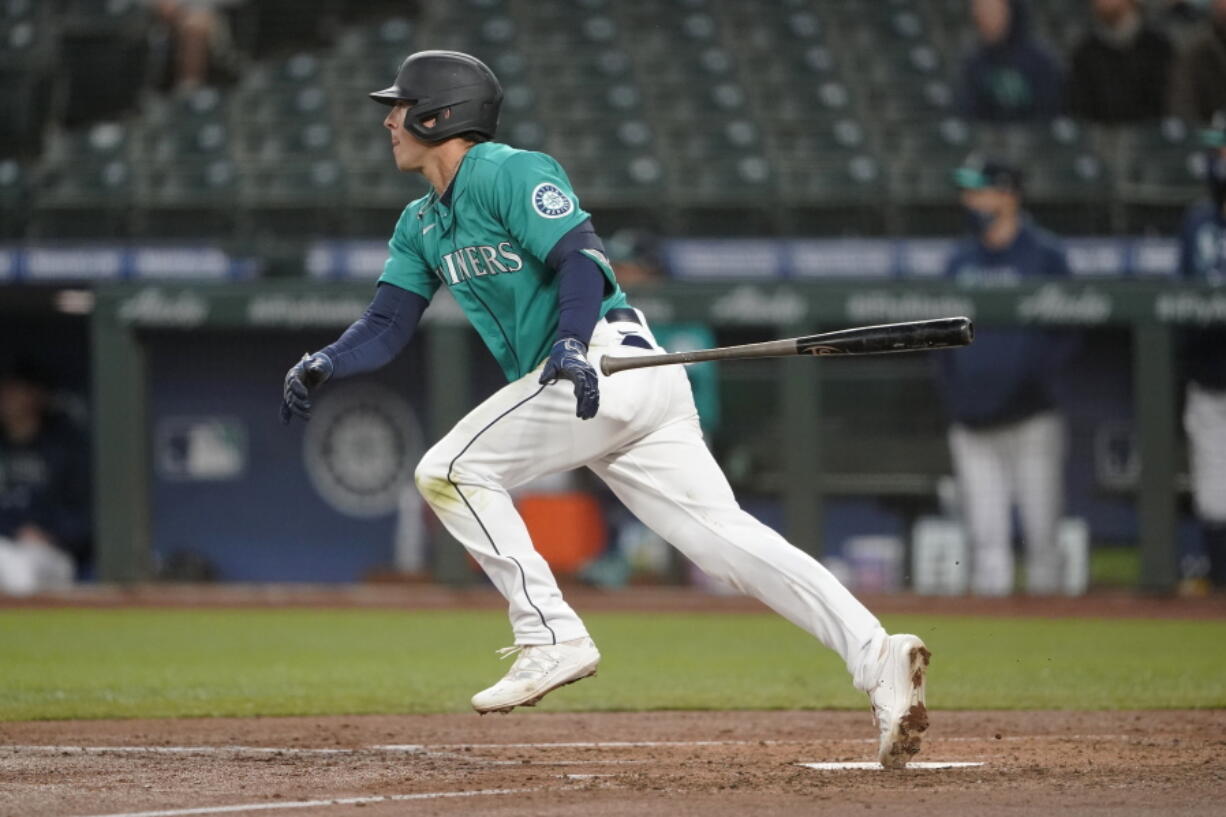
[(873, 766), (445, 749), (181, 750), (336, 801), (600, 744)]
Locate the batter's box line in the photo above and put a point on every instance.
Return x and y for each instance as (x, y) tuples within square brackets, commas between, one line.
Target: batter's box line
[(873, 766), (333, 801)]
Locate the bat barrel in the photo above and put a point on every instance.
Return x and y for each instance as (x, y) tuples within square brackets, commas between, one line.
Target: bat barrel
[(916, 336)]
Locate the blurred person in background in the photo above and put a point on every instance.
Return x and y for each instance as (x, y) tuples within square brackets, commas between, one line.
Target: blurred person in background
[(1121, 68), (1198, 81), (44, 518), (196, 42), (1006, 438), (1010, 77), (1202, 260)]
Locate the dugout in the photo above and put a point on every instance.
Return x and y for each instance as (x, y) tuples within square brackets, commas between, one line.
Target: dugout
[(817, 459)]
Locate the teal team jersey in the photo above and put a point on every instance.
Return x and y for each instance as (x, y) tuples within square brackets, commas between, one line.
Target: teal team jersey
[(507, 210)]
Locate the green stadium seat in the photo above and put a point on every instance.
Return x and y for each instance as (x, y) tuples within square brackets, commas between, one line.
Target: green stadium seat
[(107, 18), (856, 178), (1166, 135), (749, 177), (104, 182), (820, 140), (528, 134), (1173, 175), (1077, 176), (25, 100), (186, 142), (303, 184), (12, 10), (192, 183), (26, 44), (944, 141), (14, 198)]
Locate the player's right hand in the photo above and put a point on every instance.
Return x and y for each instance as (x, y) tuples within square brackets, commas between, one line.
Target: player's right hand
[(303, 376), (567, 361)]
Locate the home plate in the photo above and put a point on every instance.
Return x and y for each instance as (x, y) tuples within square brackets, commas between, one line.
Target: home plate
[(871, 766)]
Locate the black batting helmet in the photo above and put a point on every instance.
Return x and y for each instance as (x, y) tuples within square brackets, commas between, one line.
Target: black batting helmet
[(433, 81)]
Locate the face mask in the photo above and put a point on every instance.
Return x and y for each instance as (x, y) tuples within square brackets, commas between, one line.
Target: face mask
[(1217, 178), (978, 221)]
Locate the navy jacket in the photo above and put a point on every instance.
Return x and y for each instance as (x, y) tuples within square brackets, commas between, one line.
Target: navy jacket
[(1202, 259), (1006, 374), (46, 482), (1014, 80)]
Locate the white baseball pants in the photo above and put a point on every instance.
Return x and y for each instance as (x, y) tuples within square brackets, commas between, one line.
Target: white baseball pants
[(1022, 462), (645, 443), (28, 567), (1204, 419)]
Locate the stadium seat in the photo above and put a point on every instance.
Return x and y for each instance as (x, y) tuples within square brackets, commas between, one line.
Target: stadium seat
[(14, 198), (1077, 176), (943, 141), (856, 178)]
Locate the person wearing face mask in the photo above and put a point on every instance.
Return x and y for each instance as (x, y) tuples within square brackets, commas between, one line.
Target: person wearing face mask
[(1202, 259), (1006, 436)]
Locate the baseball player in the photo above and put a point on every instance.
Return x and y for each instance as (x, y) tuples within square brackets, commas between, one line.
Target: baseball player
[(1006, 437), (502, 229), (1202, 258)]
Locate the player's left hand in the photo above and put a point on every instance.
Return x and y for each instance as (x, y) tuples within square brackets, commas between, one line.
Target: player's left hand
[(305, 375), (568, 360)]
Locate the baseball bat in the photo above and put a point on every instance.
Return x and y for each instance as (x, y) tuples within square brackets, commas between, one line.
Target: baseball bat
[(889, 338)]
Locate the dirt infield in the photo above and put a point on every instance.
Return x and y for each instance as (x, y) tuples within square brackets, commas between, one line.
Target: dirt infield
[(666, 763), (713, 764)]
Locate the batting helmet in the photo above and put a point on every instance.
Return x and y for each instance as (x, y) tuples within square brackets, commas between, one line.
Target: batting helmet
[(432, 82)]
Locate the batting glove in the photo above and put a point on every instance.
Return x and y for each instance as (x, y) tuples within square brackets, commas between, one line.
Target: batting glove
[(305, 375), (567, 360)]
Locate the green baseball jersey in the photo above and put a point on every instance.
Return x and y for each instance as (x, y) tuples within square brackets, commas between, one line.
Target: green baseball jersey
[(488, 244)]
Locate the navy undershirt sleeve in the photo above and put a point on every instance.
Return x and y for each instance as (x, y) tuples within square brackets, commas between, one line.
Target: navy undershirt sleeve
[(581, 282), (374, 339)]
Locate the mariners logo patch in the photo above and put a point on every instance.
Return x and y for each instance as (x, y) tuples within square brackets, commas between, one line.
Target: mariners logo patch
[(550, 201)]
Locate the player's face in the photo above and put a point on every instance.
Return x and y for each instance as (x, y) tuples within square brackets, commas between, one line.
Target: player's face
[(990, 201), (991, 19), (1111, 11), (408, 151), (19, 402)]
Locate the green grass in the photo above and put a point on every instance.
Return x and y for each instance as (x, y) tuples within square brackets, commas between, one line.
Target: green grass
[(1118, 567), (162, 663)]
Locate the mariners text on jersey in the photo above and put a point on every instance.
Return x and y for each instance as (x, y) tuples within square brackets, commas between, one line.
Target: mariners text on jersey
[(467, 262)]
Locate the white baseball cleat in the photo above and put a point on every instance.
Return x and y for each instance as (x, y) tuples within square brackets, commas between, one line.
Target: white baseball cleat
[(537, 671), (898, 699)]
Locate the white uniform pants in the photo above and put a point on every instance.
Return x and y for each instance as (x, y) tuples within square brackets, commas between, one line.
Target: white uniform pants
[(1021, 462), (28, 567), (645, 443), (1204, 419)]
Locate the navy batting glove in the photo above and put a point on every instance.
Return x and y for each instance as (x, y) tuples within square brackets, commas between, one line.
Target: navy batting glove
[(305, 375), (568, 360)]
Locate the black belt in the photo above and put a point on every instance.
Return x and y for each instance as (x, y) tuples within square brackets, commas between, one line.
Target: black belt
[(622, 313)]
